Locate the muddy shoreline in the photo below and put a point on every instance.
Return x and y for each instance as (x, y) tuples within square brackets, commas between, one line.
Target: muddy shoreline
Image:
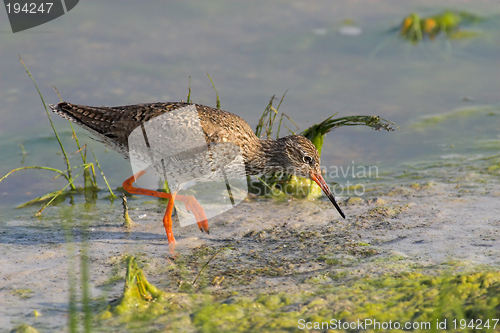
[(271, 247)]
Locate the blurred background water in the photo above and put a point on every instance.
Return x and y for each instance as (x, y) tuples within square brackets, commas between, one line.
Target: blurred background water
[(126, 52)]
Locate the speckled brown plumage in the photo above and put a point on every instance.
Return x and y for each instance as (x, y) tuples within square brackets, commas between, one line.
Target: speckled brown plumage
[(113, 125), (292, 154)]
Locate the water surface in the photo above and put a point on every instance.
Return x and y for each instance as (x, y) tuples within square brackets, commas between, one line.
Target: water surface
[(105, 54)]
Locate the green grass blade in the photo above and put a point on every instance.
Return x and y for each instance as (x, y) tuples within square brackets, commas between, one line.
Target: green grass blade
[(23, 151), (281, 101), (70, 183), (267, 119), (51, 123), (87, 176), (260, 125), (189, 92), (279, 127), (39, 199), (217, 101), (82, 155), (85, 278), (103, 176), (265, 183), (73, 309), (84, 159), (291, 120), (75, 167), (206, 264), (61, 173)]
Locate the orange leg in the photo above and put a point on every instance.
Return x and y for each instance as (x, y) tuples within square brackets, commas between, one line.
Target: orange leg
[(189, 201), (194, 206), (167, 219)]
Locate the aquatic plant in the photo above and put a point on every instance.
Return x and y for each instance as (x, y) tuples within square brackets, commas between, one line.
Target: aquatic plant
[(450, 300), (279, 184), (414, 28), (87, 168), (140, 299)]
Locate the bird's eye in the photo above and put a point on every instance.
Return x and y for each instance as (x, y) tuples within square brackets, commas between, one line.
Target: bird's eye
[(308, 159)]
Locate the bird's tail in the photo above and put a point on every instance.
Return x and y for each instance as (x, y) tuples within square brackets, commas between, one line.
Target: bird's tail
[(88, 117), (65, 110)]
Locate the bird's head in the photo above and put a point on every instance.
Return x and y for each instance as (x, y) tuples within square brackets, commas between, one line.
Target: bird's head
[(302, 159)]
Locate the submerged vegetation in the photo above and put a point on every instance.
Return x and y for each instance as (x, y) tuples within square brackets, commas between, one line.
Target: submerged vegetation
[(281, 185), (140, 299), (457, 302), (277, 185), (465, 301), (90, 188), (462, 114)]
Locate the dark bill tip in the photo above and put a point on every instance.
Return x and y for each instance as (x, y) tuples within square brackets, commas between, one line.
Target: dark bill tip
[(321, 182)]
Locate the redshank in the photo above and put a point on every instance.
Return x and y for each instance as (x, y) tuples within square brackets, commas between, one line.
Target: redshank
[(113, 126)]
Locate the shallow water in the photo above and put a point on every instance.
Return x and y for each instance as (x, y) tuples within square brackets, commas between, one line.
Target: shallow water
[(252, 51)]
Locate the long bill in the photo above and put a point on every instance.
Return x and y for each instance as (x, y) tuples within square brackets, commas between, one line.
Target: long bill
[(321, 182)]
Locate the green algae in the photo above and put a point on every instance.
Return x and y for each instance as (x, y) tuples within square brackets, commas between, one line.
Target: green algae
[(140, 299), (141, 304), (408, 297), (330, 260), (24, 328), (23, 293), (282, 186), (445, 293), (462, 113), (352, 201), (302, 188), (480, 165), (381, 212)]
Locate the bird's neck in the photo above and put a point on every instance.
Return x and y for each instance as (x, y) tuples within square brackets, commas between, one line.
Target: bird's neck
[(268, 155)]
